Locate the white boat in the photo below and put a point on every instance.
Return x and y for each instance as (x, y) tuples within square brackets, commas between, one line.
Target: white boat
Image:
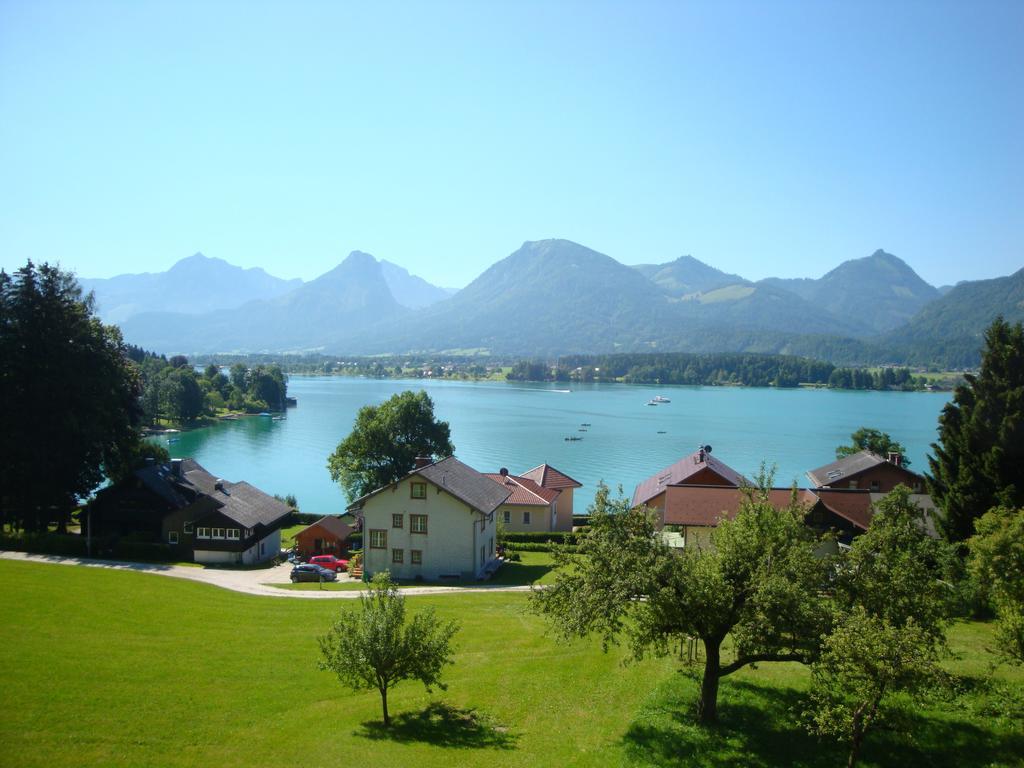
[(652, 402), (660, 399)]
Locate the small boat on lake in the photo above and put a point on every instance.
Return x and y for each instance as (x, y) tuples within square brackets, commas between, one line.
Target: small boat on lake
[(573, 439), (660, 399), (651, 402)]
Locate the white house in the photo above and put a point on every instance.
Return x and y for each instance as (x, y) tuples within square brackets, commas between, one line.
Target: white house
[(437, 522)]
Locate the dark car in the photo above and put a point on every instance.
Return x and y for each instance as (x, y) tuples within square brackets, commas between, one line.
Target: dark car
[(310, 572)]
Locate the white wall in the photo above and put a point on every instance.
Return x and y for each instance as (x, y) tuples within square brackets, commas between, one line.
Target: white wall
[(451, 545), (271, 546)]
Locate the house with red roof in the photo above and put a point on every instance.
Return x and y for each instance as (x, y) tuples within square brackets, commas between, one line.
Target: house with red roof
[(539, 500)]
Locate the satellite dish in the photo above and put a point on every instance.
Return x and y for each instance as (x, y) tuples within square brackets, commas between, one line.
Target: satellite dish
[(707, 449)]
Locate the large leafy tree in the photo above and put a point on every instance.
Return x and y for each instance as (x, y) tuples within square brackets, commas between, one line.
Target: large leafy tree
[(979, 458), (759, 582), (893, 601), (997, 564), (68, 393), (385, 441), (874, 440), (374, 647)]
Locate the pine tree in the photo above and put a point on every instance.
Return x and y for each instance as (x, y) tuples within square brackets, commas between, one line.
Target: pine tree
[(979, 458)]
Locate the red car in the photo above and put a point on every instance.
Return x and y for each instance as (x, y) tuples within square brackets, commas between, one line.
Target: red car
[(330, 562)]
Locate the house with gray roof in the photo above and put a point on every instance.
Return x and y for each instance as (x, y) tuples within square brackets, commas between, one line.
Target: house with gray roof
[(437, 522), (199, 516)]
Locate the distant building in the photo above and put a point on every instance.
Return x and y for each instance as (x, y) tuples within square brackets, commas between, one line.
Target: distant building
[(540, 500), (699, 468), (327, 536), (437, 522), (866, 471), (199, 516)]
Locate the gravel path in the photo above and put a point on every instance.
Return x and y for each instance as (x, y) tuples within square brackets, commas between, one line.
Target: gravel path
[(252, 582)]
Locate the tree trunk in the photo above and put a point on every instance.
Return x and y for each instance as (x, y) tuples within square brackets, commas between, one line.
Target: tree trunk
[(707, 706), (384, 704), (858, 737)]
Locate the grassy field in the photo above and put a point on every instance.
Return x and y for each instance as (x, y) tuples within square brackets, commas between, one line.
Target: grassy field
[(117, 668)]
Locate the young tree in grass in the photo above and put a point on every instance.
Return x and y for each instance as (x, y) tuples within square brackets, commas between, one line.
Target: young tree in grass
[(979, 458), (374, 647), (997, 564), (385, 441), (874, 440), (893, 603), (864, 659), (759, 582)]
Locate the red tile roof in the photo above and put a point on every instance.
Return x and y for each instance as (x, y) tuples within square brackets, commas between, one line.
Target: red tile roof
[(679, 472), (524, 490), (852, 505), (547, 476), (706, 505)]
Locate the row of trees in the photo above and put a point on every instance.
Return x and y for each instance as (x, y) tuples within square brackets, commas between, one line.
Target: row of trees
[(713, 369), (173, 391)]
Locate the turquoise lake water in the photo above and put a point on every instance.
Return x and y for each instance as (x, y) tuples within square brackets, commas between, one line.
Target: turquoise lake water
[(519, 426)]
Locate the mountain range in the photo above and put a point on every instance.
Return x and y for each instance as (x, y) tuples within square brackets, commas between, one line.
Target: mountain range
[(555, 297)]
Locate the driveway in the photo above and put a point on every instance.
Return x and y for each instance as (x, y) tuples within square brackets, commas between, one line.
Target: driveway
[(250, 581)]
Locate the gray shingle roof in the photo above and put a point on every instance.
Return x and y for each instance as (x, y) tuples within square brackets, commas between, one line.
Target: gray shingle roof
[(245, 504), (465, 483), (460, 480), (848, 466)]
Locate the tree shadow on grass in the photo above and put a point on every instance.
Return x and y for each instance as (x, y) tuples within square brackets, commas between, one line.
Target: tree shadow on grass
[(442, 725), (759, 726), (518, 574)]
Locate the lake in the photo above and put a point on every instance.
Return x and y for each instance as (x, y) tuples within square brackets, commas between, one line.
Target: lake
[(519, 426)]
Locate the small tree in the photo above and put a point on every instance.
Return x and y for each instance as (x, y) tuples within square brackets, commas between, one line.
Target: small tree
[(374, 647), (385, 441), (997, 564), (874, 440), (864, 659), (893, 603), (759, 581)]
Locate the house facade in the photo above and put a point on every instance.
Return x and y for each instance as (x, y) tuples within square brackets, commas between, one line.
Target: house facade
[(327, 536), (867, 471), (533, 506), (699, 468), (199, 516), (438, 522)]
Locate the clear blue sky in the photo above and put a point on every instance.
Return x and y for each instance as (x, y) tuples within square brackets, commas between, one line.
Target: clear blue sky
[(763, 138)]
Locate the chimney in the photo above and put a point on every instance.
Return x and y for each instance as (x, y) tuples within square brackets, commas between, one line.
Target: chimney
[(895, 458), (700, 455), (423, 461), (503, 471), (176, 467), (219, 485)]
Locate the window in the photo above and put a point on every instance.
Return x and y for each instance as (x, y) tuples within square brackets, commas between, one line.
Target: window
[(218, 533), (378, 539), (233, 533), (874, 485), (526, 518), (188, 527), (398, 556), (418, 523), (172, 537), (853, 483), (508, 517), (416, 556), (396, 521), (491, 546), (418, 490), (202, 533)]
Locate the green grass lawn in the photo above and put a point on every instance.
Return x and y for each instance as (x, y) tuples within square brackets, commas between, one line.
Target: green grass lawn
[(108, 668)]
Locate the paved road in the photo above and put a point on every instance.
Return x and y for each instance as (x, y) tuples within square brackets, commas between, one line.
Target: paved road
[(252, 582)]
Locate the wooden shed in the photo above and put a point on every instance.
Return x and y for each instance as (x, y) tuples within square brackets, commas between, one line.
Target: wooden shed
[(327, 536)]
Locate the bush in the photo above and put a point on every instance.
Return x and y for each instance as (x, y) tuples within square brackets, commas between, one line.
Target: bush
[(542, 537), (535, 546), (73, 545)]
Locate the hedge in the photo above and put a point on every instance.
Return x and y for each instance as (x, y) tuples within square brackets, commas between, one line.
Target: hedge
[(533, 546), (541, 537), (74, 545)]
